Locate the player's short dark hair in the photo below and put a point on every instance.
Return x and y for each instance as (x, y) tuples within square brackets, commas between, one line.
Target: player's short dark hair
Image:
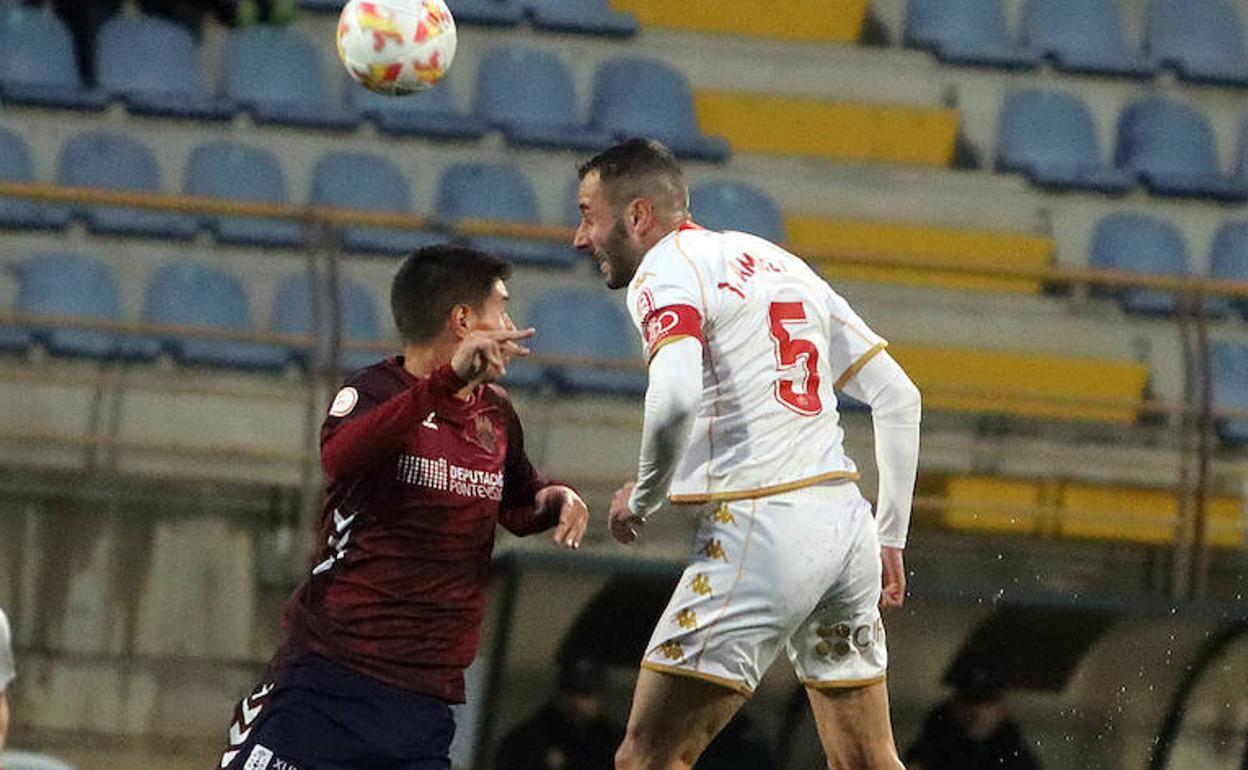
[(634, 167), (433, 280)]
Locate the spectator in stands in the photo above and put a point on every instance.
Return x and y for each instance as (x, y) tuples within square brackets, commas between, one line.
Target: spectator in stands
[(570, 732), (6, 677), (971, 730)]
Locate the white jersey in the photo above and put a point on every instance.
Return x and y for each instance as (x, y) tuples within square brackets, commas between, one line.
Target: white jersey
[(777, 342), (6, 653)]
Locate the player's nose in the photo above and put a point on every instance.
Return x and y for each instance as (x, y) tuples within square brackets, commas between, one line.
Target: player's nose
[(581, 240)]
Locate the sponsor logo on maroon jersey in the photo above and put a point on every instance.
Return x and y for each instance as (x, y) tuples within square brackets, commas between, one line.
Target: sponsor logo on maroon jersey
[(444, 476)]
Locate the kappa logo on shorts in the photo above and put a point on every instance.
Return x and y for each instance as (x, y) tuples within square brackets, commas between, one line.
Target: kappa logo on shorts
[(842, 638)]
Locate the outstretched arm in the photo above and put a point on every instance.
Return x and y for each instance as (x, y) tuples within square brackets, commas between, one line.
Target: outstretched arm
[(896, 410), (672, 399)]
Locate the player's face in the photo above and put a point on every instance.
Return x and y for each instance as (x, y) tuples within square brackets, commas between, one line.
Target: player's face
[(492, 315), (604, 234)]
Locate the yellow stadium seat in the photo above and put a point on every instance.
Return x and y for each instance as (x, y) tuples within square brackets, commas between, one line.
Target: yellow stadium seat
[(914, 135), (820, 240), (993, 505), (1025, 384), (832, 21), (1143, 515)]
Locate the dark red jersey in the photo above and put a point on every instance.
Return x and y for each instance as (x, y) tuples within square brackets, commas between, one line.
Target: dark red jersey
[(417, 480)]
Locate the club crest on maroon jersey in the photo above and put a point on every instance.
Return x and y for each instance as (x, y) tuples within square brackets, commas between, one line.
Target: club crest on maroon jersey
[(484, 436)]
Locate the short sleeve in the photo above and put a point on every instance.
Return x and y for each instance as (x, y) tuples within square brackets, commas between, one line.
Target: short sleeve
[(666, 299), (7, 671), (851, 343)]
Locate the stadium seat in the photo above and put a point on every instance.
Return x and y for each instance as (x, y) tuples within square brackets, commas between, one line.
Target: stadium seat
[(1082, 36), (965, 32), (79, 288), (589, 324), (293, 313), (152, 64), (1229, 258), (276, 74), (188, 294), (643, 97), (38, 64), (1137, 243), (369, 183), (16, 166), (736, 206), (993, 504), (241, 173), (1230, 391), (529, 95), (323, 6), (1201, 39), (1049, 136), (1170, 147), (432, 113), (483, 191), (491, 13), (114, 162), (595, 17)]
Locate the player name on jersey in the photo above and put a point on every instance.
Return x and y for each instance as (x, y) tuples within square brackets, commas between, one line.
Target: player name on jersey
[(444, 476)]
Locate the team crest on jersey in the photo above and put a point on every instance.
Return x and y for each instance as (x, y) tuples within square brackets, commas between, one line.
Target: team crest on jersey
[(645, 305), (344, 402), (484, 435)]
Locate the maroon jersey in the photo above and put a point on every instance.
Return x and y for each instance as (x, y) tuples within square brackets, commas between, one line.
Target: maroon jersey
[(417, 480)]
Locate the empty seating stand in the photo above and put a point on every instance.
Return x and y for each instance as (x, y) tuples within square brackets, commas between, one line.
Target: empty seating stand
[(1201, 39), (38, 64), (293, 314), (594, 17), (1229, 259), (1230, 391), (16, 166), (241, 173), (193, 295), (965, 32), (276, 75), (529, 95), (1049, 136), (1082, 36), (370, 183), (1138, 243), (587, 324), (736, 206), (432, 113), (152, 65), (1170, 147)]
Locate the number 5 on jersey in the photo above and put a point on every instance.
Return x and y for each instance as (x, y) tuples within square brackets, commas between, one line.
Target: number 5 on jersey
[(801, 397)]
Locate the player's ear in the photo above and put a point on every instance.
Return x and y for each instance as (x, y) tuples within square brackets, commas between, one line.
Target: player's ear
[(460, 320)]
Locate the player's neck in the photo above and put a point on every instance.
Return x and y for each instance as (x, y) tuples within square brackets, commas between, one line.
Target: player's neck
[(421, 360)]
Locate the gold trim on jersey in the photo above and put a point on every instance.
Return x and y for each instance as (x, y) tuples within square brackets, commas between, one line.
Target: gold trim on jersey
[(856, 366), (754, 494), (733, 685), (667, 341), (843, 684)]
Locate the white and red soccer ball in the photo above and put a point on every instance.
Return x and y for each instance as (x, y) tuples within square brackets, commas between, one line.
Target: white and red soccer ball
[(396, 47)]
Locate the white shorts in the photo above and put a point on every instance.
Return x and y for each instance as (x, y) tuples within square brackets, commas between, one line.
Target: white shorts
[(799, 570)]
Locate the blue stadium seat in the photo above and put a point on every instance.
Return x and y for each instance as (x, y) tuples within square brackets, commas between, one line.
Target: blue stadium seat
[(736, 206), (152, 64), (1049, 136), (1082, 36), (78, 288), (370, 183), (483, 191), (529, 95), (1229, 258), (323, 6), (38, 64), (589, 324), (643, 97), (241, 173), (1170, 147), (492, 13), (188, 294), (293, 313), (1201, 39), (965, 32), (276, 74), (431, 113), (1230, 390), (16, 166), (1140, 244), (114, 162), (595, 17)]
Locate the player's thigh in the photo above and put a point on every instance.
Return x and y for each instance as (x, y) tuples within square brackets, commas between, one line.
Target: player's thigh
[(855, 727), (677, 716)]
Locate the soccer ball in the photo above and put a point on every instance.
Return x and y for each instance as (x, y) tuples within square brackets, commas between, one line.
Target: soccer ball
[(396, 47)]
